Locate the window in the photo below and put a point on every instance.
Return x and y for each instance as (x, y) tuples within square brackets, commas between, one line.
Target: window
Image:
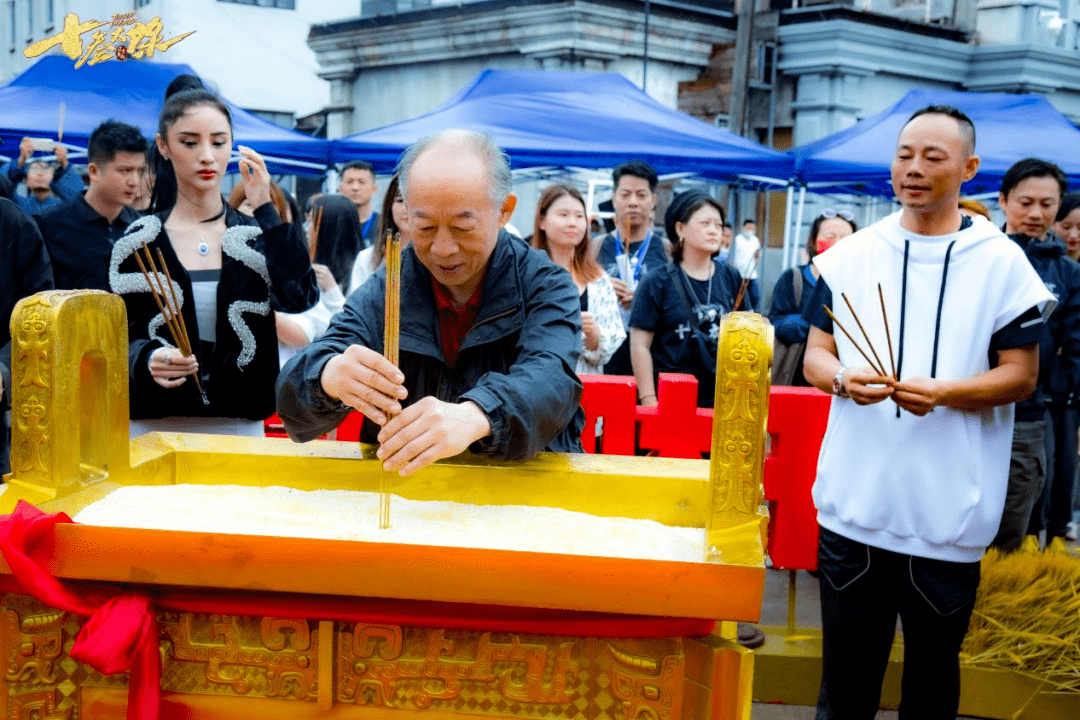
[(280, 4), (11, 24), (30, 20), (50, 14), (141, 3)]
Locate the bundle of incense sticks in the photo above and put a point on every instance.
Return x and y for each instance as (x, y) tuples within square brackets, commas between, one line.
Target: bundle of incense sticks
[(879, 366), (316, 221), (161, 287), (391, 341)]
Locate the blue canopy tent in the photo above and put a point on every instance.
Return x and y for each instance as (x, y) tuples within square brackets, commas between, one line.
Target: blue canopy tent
[(132, 91), (568, 119), (1008, 128)]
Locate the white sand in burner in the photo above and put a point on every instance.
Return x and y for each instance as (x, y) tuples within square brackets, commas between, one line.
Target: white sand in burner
[(349, 515)]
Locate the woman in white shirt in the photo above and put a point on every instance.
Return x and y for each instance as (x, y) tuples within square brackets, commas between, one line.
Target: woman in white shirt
[(392, 219), (335, 253), (561, 230)]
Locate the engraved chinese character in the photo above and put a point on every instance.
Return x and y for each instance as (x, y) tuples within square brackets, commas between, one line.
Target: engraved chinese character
[(145, 38), (69, 39)]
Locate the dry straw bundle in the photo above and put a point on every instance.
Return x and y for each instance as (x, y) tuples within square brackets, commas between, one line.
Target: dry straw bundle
[(1027, 617)]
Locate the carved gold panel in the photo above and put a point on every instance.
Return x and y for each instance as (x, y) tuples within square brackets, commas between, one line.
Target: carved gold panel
[(415, 671), (507, 675), (740, 421), (41, 680), (230, 654)]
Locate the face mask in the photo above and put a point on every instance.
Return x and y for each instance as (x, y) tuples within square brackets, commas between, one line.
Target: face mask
[(824, 244)]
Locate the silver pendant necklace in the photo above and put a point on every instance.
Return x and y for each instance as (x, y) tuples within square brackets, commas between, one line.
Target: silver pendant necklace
[(203, 248)]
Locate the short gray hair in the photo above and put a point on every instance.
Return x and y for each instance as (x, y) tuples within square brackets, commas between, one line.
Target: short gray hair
[(498, 162)]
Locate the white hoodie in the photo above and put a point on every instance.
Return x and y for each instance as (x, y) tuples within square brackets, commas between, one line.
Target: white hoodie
[(932, 486)]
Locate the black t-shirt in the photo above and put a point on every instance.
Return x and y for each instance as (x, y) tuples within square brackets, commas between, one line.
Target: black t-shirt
[(659, 307), (654, 255)]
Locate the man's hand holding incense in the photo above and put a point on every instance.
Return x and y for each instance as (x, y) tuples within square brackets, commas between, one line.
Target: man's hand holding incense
[(918, 395), (866, 386), (366, 381), (428, 431), (623, 292)]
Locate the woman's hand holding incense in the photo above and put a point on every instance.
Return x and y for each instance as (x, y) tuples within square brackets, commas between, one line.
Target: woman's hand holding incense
[(918, 395), (866, 386), (366, 381), (169, 367), (428, 431)]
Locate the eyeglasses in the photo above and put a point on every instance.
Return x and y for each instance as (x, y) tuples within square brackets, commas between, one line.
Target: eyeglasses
[(831, 213)]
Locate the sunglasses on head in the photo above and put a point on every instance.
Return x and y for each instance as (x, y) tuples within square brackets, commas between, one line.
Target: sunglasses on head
[(831, 213)]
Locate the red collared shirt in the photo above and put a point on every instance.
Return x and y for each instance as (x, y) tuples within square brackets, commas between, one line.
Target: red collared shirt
[(454, 321)]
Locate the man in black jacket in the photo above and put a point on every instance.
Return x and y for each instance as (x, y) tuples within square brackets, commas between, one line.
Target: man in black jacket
[(1031, 191), (490, 329), (24, 270), (80, 233)]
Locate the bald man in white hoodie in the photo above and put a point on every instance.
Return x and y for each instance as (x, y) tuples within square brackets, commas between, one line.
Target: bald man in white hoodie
[(914, 465)]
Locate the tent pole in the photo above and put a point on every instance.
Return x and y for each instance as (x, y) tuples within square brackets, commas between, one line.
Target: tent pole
[(798, 226), (787, 225)]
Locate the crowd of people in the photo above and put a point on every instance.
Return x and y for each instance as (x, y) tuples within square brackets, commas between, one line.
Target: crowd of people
[(283, 310)]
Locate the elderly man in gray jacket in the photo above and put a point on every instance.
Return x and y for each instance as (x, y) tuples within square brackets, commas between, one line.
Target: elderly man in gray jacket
[(490, 329)]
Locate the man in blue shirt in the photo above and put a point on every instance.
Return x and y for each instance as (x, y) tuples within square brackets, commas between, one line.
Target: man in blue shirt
[(46, 184), (627, 257)]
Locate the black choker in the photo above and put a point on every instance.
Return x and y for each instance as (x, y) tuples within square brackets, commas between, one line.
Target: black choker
[(219, 215)]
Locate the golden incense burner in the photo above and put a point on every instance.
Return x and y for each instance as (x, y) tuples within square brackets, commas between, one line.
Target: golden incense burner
[(71, 448)]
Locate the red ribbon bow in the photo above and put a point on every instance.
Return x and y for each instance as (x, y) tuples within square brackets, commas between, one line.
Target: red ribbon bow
[(122, 632)]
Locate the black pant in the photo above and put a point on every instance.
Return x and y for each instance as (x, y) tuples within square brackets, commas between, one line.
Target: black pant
[(863, 590), (1053, 508)]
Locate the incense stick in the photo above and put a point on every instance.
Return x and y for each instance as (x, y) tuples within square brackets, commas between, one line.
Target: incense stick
[(864, 334), (60, 123), (391, 342), (888, 337), (744, 286), (316, 222), (839, 325), (742, 291), (169, 306)]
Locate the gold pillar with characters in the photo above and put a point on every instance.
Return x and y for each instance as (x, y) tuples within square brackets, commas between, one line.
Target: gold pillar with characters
[(219, 659)]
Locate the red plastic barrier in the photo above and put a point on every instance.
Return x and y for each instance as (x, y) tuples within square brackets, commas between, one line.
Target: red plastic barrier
[(613, 398), (273, 427), (349, 429), (676, 427), (797, 419)]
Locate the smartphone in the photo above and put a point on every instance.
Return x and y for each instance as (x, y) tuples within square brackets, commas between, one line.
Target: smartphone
[(43, 144)]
